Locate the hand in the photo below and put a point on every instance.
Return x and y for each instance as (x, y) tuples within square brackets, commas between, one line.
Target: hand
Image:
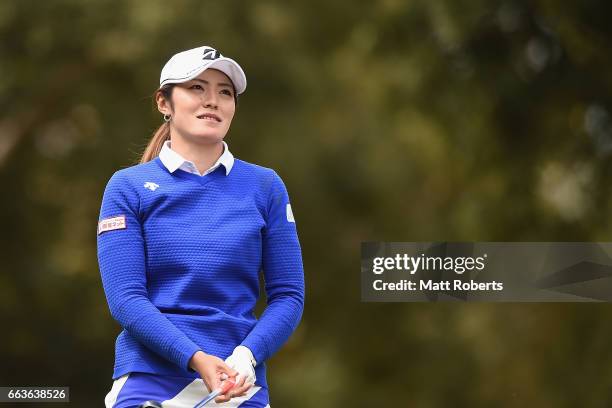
[(212, 370), (242, 361), (237, 390)]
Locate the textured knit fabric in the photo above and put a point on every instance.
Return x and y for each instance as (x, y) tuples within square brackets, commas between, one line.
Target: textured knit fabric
[(182, 275)]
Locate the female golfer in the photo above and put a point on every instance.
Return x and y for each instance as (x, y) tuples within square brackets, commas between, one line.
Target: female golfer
[(182, 237)]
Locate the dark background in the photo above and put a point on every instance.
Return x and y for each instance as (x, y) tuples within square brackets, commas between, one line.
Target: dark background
[(388, 121)]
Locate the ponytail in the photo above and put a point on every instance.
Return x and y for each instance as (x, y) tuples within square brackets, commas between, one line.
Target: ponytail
[(156, 143), (163, 131)]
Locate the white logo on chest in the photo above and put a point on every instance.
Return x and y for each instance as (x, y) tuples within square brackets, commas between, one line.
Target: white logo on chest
[(151, 186)]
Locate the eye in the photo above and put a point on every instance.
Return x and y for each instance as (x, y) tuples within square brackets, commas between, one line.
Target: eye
[(227, 92), (196, 86)]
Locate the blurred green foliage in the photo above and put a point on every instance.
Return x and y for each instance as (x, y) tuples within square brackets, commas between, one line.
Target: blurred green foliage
[(389, 120)]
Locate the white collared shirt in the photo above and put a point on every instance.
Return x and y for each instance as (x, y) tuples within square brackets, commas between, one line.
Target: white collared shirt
[(173, 160)]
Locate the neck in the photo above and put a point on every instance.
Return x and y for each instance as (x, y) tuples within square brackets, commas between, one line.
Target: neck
[(203, 155)]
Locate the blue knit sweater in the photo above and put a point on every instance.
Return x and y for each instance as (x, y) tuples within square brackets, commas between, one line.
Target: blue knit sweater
[(179, 256)]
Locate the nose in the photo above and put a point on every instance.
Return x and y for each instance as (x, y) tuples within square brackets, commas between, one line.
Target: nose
[(209, 99)]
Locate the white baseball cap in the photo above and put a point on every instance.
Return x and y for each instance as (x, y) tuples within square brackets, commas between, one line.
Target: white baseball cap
[(189, 64)]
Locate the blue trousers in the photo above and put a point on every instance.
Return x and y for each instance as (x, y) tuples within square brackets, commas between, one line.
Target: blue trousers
[(131, 390)]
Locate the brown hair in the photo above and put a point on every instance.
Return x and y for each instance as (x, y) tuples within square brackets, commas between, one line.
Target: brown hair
[(163, 131)]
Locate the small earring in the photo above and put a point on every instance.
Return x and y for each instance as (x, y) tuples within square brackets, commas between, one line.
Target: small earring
[(167, 118)]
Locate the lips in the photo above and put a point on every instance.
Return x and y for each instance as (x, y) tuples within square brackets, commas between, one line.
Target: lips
[(209, 116)]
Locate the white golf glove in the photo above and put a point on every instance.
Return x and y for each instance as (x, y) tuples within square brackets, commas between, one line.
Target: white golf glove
[(242, 360)]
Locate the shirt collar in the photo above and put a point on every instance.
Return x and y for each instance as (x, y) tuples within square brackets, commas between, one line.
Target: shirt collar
[(173, 160)]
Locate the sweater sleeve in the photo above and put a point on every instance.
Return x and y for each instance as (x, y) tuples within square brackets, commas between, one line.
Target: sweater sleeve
[(283, 275), (121, 258)]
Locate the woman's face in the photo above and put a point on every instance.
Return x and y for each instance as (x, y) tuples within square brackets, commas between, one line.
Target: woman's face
[(203, 107)]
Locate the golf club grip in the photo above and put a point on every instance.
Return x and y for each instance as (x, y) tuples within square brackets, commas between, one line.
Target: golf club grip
[(227, 385)]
